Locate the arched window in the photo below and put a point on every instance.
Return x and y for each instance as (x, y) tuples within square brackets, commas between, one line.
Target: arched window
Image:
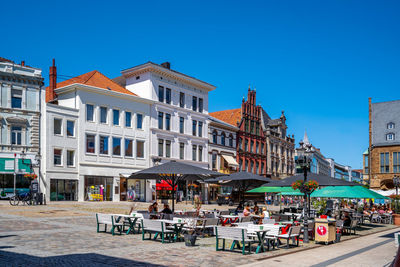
[(390, 125), (231, 140), (390, 136), (215, 137), (223, 139)]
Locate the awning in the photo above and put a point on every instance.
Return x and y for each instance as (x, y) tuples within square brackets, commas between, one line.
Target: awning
[(231, 161)]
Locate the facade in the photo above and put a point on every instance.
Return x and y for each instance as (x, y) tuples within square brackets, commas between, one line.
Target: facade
[(20, 89), (383, 158), (263, 147), (178, 116), (96, 136)]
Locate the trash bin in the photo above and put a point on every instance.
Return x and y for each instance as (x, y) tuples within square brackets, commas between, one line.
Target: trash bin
[(39, 198)]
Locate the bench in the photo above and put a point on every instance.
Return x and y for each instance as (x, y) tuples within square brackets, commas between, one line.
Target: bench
[(232, 233), (108, 219), (293, 233), (158, 228)]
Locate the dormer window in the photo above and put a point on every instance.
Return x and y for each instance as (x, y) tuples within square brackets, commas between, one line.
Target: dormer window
[(390, 125), (390, 136)]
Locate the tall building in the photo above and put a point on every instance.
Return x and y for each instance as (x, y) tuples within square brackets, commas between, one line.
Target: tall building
[(263, 146), (382, 160), (20, 89)]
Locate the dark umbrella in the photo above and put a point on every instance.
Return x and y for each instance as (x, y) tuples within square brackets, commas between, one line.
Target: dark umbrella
[(243, 181), (321, 179), (172, 172)]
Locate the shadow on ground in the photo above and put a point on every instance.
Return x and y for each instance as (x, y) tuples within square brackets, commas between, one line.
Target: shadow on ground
[(89, 259)]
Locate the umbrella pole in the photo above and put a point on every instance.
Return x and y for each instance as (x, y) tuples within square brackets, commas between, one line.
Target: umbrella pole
[(173, 195)]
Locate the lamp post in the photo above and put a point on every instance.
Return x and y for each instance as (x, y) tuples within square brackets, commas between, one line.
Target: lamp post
[(396, 183), (304, 161)]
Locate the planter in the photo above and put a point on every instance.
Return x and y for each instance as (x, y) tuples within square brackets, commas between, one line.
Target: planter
[(396, 219), (190, 240)]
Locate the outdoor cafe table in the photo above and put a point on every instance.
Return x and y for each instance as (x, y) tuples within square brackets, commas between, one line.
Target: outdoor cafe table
[(228, 219), (261, 233), (177, 227), (131, 220)]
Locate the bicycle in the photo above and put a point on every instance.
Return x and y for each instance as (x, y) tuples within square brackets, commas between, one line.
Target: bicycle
[(26, 199)]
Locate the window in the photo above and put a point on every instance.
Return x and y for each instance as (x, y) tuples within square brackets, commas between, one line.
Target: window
[(115, 116), (140, 149), (200, 128), (182, 100), (252, 167), (240, 165), (160, 93), (168, 148), (390, 125), (194, 152), (194, 103), (257, 168), (257, 147), (139, 121), (181, 150), (384, 162), (57, 126), (262, 168), (116, 143), (160, 120), (90, 140), (160, 147), (223, 139), (168, 96), (231, 141), (251, 146), (128, 147), (16, 135), (200, 153), (70, 128), (128, 119), (390, 136), (168, 122), (214, 137), (57, 157), (194, 126), (181, 125), (16, 98), (70, 158), (366, 167), (89, 112), (214, 161), (240, 143), (246, 165), (262, 149), (104, 145), (246, 145), (103, 114), (396, 162), (200, 104)]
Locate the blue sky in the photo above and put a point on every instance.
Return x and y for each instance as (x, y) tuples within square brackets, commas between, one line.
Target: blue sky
[(317, 60)]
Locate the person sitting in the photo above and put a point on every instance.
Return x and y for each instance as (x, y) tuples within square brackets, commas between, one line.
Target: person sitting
[(246, 211), (381, 210), (346, 219), (166, 209), (256, 210), (153, 208), (389, 210), (366, 212), (239, 208)]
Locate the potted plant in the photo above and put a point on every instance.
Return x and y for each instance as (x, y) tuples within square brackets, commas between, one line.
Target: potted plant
[(305, 187), (396, 209)]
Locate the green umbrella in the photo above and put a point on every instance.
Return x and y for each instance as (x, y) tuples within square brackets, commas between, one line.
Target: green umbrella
[(346, 192), (295, 193), (273, 189)]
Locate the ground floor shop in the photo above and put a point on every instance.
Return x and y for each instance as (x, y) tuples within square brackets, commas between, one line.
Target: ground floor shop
[(63, 190), (7, 184), (133, 189), (99, 188)]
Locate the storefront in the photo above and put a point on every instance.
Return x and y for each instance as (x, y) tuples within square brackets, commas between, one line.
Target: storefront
[(133, 189), (99, 185), (63, 190), (7, 166)]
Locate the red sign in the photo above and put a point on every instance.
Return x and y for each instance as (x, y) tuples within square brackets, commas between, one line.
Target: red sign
[(321, 230)]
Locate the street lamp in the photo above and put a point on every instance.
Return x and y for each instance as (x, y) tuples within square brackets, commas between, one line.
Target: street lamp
[(304, 162)]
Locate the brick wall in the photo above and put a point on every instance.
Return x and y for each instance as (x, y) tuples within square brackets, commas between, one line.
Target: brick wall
[(378, 178)]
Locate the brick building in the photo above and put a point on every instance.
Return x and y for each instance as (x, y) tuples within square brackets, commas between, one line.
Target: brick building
[(262, 145)]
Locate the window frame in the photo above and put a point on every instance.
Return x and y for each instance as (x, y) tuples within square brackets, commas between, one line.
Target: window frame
[(106, 114), (201, 105), (18, 132), (181, 150), (87, 144), (200, 153), (54, 157), (54, 126), (200, 129), (93, 111), (73, 158), (130, 119), (168, 145), (182, 99), (161, 94), (136, 150), (73, 128), (390, 125), (141, 121), (108, 145), (125, 147), (19, 98), (168, 96), (194, 103), (160, 120), (167, 122), (194, 127), (194, 152), (160, 147), (393, 137), (181, 125), (113, 148), (113, 117)]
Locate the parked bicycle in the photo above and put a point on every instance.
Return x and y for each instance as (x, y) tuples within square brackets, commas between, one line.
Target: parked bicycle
[(25, 198)]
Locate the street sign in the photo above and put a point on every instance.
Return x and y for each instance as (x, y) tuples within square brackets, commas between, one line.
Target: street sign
[(35, 186)]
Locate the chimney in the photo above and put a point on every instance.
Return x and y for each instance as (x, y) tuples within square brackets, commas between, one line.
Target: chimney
[(50, 94), (166, 65), (22, 63)]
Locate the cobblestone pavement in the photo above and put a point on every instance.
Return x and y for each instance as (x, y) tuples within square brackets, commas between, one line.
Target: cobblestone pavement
[(65, 235)]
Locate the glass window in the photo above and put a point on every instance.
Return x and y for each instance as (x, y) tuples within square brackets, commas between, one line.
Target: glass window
[(168, 96), (231, 141), (140, 149), (90, 141), (200, 153), (139, 121), (160, 93), (168, 148), (214, 161), (262, 168), (128, 147), (257, 168), (384, 157), (251, 146), (16, 135), (104, 145), (246, 144), (182, 100), (57, 157), (70, 158), (115, 116), (390, 125), (390, 137), (103, 114), (160, 147), (194, 152), (200, 104), (16, 98), (181, 125), (200, 128), (160, 120), (194, 103), (89, 112), (252, 167), (167, 122), (70, 128), (396, 162), (181, 150), (194, 126), (223, 139), (116, 146), (214, 137), (257, 147), (57, 126), (128, 119)]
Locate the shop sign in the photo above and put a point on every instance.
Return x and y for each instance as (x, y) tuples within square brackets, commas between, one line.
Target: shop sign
[(321, 230), (9, 165), (35, 186)]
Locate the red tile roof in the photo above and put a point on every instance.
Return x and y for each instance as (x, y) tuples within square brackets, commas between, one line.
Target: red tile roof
[(231, 116), (96, 79)]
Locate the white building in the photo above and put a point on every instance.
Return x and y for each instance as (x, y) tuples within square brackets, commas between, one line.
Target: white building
[(96, 134)]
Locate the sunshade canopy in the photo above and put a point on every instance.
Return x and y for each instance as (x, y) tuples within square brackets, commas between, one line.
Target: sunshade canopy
[(322, 180), (272, 189), (346, 192)]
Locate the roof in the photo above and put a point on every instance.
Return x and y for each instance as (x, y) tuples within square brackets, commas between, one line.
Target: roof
[(96, 79), (220, 122), (264, 118), (2, 59), (275, 122), (230, 116)]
